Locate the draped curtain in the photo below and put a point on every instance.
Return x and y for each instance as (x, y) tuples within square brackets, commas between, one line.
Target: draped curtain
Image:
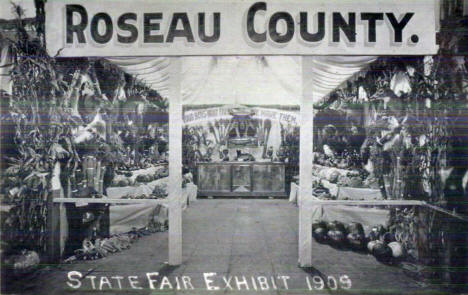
[(246, 80)]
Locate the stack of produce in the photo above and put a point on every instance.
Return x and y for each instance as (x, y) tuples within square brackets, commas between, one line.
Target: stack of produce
[(379, 242), (334, 175), (159, 192), (130, 178)]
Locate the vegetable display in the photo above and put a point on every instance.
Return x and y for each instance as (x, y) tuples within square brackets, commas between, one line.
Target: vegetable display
[(378, 241)]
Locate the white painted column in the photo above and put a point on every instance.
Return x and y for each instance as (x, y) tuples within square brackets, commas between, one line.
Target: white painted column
[(305, 165), (175, 163)]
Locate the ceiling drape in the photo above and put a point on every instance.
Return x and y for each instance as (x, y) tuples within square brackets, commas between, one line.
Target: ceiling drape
[(246, 80)]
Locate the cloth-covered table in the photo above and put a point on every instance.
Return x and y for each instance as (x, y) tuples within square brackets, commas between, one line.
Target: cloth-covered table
[(125, 217)]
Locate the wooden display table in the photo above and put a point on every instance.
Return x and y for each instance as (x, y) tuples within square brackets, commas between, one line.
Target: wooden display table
[(242, 179)]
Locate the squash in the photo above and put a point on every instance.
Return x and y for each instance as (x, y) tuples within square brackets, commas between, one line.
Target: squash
[(371, 245), (320, 235), (337, 237), (382, 252), (336, 226), (355, 228), (397, 249), (318, 224), (356, 241)]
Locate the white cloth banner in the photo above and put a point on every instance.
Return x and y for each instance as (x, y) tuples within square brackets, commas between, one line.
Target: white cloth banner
[(200, 116)]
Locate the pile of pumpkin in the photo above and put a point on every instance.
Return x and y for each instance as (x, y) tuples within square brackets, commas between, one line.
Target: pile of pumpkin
[(379, 241)]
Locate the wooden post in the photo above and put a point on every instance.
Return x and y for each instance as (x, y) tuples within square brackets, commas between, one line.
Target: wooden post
[(175, 164), (305, 165)]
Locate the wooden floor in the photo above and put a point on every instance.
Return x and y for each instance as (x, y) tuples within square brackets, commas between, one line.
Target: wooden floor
[(248, 243)]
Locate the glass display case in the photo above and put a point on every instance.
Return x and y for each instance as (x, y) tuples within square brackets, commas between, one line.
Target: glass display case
[(254, 179)]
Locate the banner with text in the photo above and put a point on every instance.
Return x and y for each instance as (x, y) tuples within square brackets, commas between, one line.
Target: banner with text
[(196, 117), (214, 27)]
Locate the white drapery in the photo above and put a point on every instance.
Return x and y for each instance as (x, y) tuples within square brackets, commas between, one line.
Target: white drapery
[(246, 80)]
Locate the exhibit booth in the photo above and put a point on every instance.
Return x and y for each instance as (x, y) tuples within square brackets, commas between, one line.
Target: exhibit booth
[(241, 89)]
